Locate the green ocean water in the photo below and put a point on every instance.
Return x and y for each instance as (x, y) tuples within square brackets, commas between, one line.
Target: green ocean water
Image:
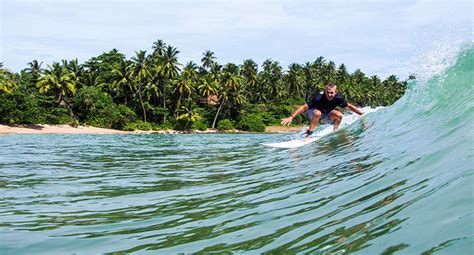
[(399, 180)]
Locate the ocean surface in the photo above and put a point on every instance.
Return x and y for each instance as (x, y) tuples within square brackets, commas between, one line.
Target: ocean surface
[(397, 180)]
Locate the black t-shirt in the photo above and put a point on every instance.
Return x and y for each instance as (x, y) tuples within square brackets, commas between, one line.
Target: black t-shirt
[(320, 102)]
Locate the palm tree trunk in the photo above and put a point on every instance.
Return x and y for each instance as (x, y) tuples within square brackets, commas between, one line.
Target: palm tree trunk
[(164, 104), (217, 114), (225, 113), (141, 102), (177, 105)]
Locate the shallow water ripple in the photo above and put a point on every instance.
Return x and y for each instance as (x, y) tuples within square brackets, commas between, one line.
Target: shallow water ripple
[(217, 193)]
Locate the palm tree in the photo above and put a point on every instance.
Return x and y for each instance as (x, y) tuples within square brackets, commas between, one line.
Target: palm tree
[(140, 74), (207, 59), (59, 80), (7, 80), (189, 113), (187, 81), (34, 68), (269, 79), (207, 86), (169, 70), (319, 82), (122, 81), (308, 76), (170, 63), (215, 70), (329, 72), (101, 67), (294, 79), (232, 82), (158, 48), (190, 71), (249, 70), (342, 74), (76, 71)]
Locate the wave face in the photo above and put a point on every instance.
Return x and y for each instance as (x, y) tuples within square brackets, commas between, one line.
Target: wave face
[(398, 179)]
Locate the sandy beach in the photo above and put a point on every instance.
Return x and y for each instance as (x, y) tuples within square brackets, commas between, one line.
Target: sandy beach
[(66, 129), (56, 129)]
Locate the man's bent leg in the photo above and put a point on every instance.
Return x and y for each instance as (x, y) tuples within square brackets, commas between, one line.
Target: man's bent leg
[(314, 119), (336, 118)]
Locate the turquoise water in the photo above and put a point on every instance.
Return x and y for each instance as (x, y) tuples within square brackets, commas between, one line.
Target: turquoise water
[(398, 180)]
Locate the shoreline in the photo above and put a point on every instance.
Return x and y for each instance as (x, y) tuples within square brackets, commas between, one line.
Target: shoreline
[(67, 129)]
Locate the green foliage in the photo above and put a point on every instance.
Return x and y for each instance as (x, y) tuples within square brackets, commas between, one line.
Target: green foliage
[(18, 107), (59, 116), (199, 125), (122, 116), (263, 112), (188, 115), (291, 101), (279, 112), (156, 114), (26, 106), (225, 124), (7, 80), (112, 91), (169, 124), (252, 123), (96, 108)]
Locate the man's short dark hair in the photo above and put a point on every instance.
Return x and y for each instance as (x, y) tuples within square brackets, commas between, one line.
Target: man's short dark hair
[(331, 85)]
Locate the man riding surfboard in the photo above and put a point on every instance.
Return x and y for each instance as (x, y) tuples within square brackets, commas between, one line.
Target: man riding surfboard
[(322, 107)]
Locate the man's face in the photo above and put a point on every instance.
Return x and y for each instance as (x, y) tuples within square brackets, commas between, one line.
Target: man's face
[(330, 93)]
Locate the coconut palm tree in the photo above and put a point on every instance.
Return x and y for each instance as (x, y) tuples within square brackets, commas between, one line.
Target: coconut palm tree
[(76, 71), (171, 65), (207, 87), (34, 68), (169, 71), (269, 77), (189, 113), (329, 72), (122, 85), (295, 80), (207, 59), (59, 81), (231, 83), (7, 80), (140, 75), (158, 48), (308, 79), (249, 71), (190, 71), (342, 74), (186, 82)]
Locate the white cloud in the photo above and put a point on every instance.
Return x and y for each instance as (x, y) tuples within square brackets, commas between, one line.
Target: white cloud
[(378, 37)]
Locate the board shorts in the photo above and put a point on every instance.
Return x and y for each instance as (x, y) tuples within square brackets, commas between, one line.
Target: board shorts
[(324, 116)]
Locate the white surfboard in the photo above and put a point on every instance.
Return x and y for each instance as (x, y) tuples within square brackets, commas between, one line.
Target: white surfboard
[(301, 141), (318, 133), (291, 144)]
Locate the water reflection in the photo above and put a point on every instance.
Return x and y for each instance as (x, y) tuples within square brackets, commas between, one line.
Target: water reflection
[(203, 194)]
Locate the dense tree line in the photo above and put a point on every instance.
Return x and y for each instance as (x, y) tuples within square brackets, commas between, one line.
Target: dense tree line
[(153, 90)]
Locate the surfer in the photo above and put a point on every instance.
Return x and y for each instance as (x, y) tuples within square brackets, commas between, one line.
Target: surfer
[(322, 107)]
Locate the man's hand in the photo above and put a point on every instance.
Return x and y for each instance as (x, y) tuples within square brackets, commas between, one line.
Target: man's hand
[(355, 109), (287, 121)]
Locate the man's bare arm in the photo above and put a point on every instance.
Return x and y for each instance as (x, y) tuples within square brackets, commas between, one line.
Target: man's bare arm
[(354, 109), (287, 121)]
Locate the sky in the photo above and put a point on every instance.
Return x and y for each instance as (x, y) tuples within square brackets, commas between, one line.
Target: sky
[(378, 37)]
